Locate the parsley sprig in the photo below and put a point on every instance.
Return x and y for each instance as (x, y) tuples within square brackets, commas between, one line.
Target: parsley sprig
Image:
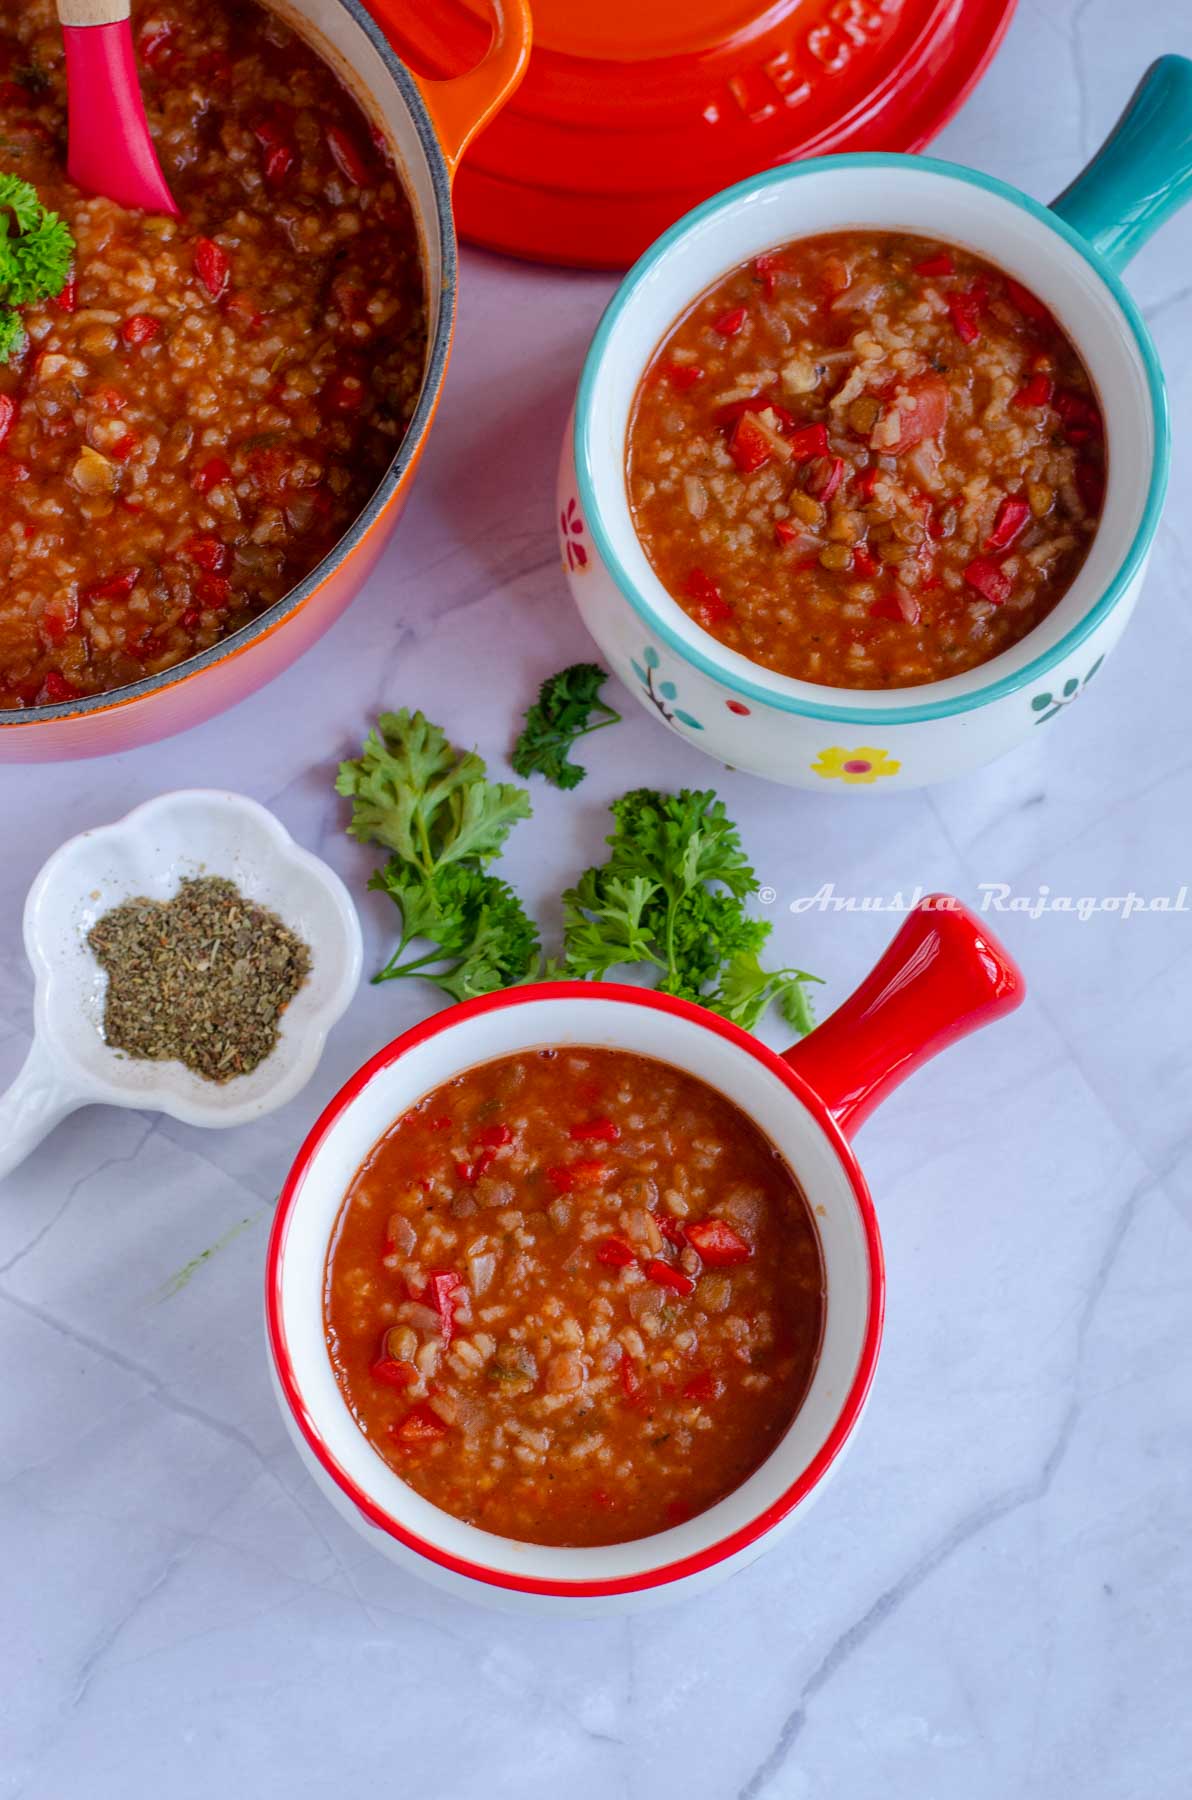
[(561, 715), (36, 251), (434, 809), (672, 894)]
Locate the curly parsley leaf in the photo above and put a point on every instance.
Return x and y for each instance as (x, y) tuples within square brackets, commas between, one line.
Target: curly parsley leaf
[(561, 715), (36, 251), (672, 894), (434, 808)]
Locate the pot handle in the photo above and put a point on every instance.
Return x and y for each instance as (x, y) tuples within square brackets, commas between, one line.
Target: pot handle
[(1143, 171), (38, 1100), (942, 976), (462, 105)]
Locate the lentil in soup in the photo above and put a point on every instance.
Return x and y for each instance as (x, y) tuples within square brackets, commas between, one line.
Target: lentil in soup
[(574, 1296), (211, 400), (867, 460)]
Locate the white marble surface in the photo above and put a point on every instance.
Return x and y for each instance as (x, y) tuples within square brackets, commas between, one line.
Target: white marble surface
[(994, 1599)]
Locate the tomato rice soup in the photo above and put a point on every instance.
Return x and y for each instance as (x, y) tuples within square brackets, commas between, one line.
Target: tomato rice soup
[(574, 1296), (211, 400), (867, 460)]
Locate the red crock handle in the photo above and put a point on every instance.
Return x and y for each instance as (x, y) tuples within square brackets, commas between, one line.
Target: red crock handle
[(942, 976)]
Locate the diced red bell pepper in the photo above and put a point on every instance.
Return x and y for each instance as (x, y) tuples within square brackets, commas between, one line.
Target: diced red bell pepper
[(494, 1137), (440, 1290), (56, 688), (1012, 517), (8, 415), (748, 445), (597, 1131), (864, 561), (990, 581), (670, 1228), (717, 1243), (681, 376), (346, 156), (125, 446), (939, 264), (785, 532), (210, 473), (213, 590), (421, 1426), (886, 607), (566, 1176), (667, 1276), (756, 403), (210, 554), (392, 1373), (615, 1253), (701, 588), (139, 330), (729, 323), (470, 1172), (827, 473), (703, 1387), (113, 587), (60, 618), (276, 164), (1079, 416), (865, 482), (810, 440), (767, 269), (964, 309), (68, 299), (631, 1381), (212, 266), (1036, 392), (926, 418), (1027, 303)]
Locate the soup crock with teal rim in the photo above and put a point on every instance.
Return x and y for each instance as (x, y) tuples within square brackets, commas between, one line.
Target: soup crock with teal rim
[(1070, 255)]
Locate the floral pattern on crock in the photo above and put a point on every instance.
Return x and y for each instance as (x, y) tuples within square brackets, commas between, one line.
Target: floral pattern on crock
[(1048, 704), (854, 766), (571, 525), (660, 692)]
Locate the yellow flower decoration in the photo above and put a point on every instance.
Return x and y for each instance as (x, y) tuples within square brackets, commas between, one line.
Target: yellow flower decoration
[(863, 765)]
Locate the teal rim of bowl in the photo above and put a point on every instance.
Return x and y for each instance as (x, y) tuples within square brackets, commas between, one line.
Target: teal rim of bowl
[(860, 714)]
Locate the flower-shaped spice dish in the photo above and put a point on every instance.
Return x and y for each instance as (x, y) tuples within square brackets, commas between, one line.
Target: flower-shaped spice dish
[(149, 853)]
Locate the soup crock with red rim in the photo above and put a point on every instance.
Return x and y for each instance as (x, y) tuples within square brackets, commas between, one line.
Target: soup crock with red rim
[(941, 977), (428, 126)]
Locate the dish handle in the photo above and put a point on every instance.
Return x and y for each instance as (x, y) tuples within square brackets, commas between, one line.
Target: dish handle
[(38, 1100), (942, 976), (1143, 171), (462, 105)]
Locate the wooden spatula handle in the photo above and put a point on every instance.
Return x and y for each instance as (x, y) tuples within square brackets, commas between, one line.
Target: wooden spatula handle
[(92, 12)]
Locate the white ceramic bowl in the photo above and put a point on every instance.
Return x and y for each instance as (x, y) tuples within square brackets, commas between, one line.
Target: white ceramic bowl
[(197, 831), (798, 732), (942, 976)]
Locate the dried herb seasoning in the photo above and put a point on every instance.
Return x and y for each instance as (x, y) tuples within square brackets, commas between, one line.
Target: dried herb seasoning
[(201, 979)]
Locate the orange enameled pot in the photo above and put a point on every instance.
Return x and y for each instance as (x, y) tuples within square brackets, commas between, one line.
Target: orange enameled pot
[(428, 124)]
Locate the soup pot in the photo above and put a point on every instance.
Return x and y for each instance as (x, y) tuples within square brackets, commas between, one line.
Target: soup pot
[(1070, 255), (428, 125), (942, 976)]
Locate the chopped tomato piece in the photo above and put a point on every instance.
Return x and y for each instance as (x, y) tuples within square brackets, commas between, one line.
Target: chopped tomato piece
[(767, 268), (140, 329), (55, 688), (827, 473), (68, 298), (124, 446), (667, 1276), (243, 307), (1036, 392), (990, 581), (939, 264), (421, 1425), (8, 414), (212, 266), (701, 587), (210, 473), (729, 323), (440, 1293), (703, 1387), (748, 445), (965, 309), (494, 1137), (756, 403), (1027, 303), (717, 1243), (926, 418), (213, 590), (207, 551), (60, 618), (670, 1228), (615, 1253), (392, 1373), (865, 482), (565, 1176), (864, 561), (786, 532), (346, 156), (113, 587), (810, 440), (1012, 517), (886, 607), (597, 1131), (682, 375)]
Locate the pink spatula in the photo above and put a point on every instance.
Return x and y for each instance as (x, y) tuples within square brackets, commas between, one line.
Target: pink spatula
[(109, 150)]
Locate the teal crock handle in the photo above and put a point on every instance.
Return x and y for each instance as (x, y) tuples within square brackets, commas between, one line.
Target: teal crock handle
[(1143, 171)]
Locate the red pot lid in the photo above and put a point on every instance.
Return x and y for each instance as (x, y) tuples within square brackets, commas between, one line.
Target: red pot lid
[(634, 110)]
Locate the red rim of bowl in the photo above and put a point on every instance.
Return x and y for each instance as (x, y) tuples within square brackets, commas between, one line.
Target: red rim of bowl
[(682, 1567)]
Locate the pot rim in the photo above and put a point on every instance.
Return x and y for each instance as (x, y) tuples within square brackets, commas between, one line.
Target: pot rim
[(438, 352), (680, 1568), (799, 697)]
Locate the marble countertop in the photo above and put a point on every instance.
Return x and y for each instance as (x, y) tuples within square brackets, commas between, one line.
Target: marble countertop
[(995, 1599)]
